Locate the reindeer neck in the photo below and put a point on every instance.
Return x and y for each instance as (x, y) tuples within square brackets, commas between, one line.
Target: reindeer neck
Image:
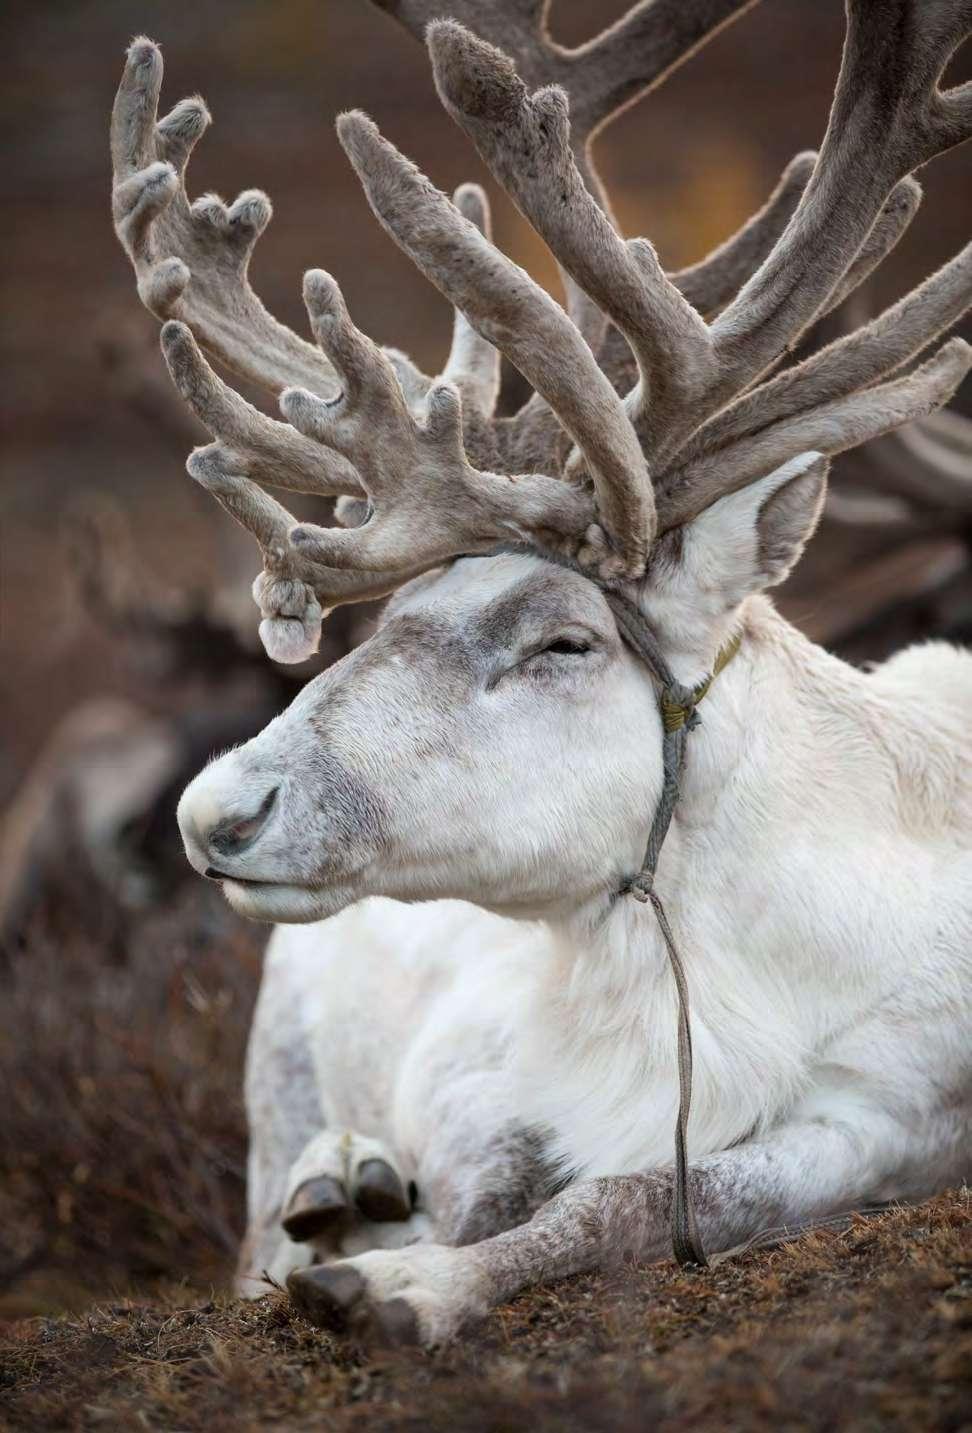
[(606, 1005)]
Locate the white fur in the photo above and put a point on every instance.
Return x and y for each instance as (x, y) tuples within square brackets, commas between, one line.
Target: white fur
[(818, 876)]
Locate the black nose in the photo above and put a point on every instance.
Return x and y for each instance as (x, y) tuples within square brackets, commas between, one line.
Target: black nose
[(236, 833)]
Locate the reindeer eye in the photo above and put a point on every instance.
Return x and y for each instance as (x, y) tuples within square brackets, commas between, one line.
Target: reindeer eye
[(566, 647)]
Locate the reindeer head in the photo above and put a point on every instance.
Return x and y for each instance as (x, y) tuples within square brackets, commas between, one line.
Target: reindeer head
[(496, 739)]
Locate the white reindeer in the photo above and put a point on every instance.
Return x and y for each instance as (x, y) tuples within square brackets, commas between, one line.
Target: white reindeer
[(447, 1104)]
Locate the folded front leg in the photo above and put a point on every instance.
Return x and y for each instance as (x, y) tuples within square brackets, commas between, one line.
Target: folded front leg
[(425, 1295)]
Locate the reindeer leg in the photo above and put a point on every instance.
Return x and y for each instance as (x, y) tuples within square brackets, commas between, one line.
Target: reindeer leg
[(283, 1107), (424, 1295)]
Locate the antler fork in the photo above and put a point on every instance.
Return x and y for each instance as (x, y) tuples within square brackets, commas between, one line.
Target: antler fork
[(364, 423)]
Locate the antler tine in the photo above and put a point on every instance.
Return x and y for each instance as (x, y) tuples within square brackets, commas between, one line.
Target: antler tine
[(293, 591), (512, 312), (257, 446), (888, 117), (602, 76), (473, 364), (831, 428), (899, 209), (191, 260), (446, 507), (857, 360)]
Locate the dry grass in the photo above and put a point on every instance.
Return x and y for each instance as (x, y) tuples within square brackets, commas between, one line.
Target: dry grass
[(868, 1329), (122, 1138)]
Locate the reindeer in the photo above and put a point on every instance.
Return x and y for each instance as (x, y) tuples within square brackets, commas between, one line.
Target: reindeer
[(462, 1074)]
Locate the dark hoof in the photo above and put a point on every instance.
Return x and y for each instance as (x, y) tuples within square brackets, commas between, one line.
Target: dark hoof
[(395, 1324), (326, 1294), (316, 1206), (380, 1194)]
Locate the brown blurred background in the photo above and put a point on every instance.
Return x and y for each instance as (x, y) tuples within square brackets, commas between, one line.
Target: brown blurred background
[(124, 1044)]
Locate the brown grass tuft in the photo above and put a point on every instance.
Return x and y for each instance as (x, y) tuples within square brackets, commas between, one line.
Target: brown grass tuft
[(865, 1329), (122, 1139)]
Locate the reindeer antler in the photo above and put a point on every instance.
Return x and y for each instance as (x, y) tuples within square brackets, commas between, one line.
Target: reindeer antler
[(293, 591), (888, 116), (430, 503), (601, 78), (191, 260), (513, 313), (421, 486)]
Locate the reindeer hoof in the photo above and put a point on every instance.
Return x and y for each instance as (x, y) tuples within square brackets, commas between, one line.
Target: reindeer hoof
[(336, 1297), (326, 1294), (317, 1205), (380, 1194), (395, 1325)]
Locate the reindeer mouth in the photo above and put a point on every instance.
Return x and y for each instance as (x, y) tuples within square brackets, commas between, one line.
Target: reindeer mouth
[(284, 902), (212, 874)]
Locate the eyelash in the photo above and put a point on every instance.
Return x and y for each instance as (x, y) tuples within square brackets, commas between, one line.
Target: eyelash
[(565, 646)]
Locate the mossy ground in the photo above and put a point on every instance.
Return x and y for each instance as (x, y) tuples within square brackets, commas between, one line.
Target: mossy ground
[(869, 1328)]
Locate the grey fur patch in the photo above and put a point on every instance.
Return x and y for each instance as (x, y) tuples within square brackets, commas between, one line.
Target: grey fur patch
[(517, 1178), (666, 552), (356, 816), (539, 597), (420, 639)]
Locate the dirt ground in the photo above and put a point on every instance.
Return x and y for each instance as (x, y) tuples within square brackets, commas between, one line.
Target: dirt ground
[(869, 1328)]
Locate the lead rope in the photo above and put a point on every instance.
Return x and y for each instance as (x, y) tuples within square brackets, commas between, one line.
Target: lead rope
[(678, 704), (679, 717)]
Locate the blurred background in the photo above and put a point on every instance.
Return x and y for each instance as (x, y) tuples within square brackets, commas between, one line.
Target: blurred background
[(128, 636)]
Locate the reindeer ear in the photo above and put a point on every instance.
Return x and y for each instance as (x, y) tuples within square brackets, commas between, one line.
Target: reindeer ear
[(750, 539), (789, 516)]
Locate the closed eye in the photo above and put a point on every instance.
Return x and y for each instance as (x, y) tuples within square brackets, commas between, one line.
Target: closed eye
[(567, 647), (537, 662)]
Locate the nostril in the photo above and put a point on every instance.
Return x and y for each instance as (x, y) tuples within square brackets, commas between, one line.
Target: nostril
[(231, 837)]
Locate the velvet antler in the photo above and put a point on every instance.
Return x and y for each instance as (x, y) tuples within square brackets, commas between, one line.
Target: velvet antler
[(422, 469), (191, 260), (888, 116)]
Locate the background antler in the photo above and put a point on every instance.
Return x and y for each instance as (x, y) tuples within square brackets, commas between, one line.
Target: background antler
[(601, 79)]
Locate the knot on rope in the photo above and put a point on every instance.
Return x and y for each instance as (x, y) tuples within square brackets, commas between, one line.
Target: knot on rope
[(641, 886), (678, 705)]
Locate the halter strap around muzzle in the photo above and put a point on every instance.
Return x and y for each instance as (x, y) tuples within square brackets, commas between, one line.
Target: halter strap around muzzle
[(677, 704)]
